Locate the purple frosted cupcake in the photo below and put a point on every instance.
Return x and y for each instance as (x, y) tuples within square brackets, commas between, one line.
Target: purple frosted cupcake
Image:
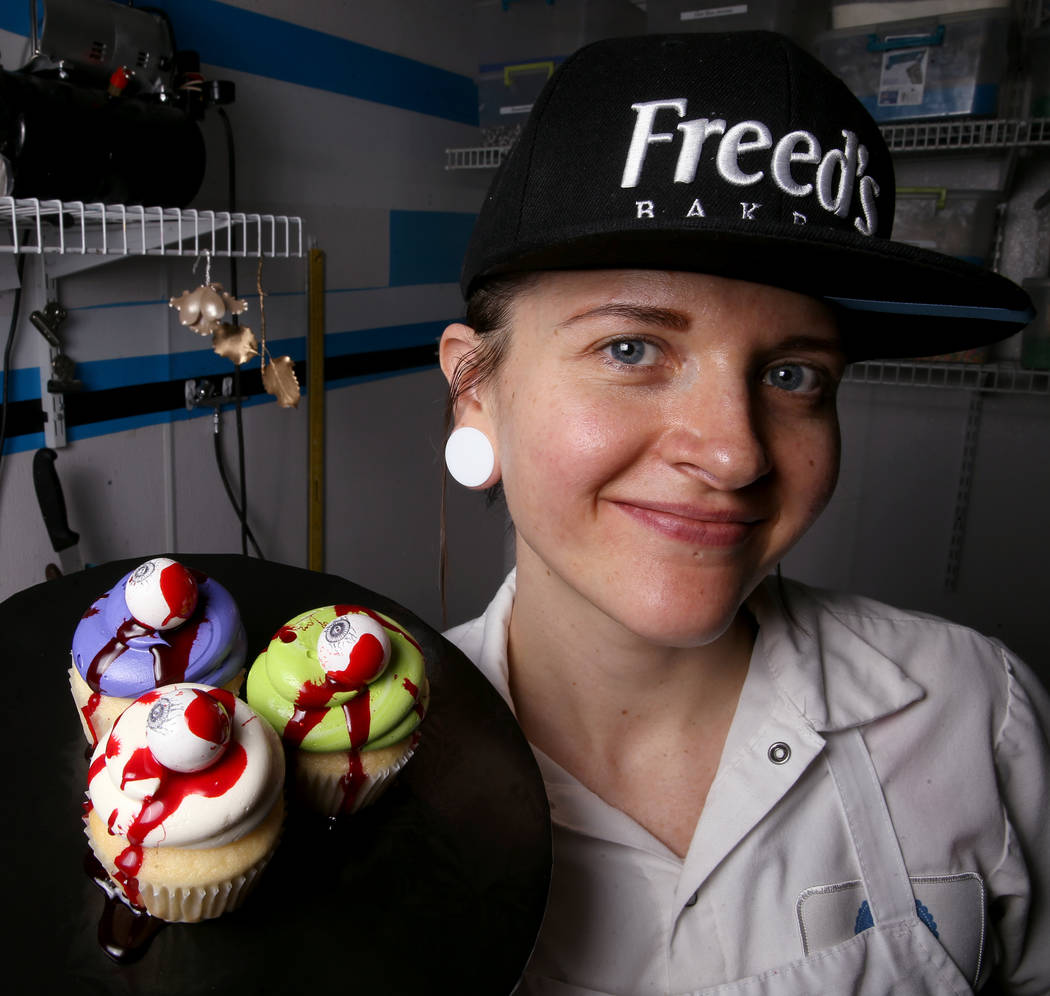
[(160, 624)]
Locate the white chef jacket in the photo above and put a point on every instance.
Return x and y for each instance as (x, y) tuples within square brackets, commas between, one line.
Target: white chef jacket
[(956, 729)]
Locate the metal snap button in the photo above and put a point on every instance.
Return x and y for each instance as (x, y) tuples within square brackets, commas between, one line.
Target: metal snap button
[(779, 752)]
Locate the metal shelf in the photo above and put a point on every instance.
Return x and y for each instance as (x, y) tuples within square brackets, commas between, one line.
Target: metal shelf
[(58, 238), (478, 157), (948, 136), (74, 235), (996, 378)]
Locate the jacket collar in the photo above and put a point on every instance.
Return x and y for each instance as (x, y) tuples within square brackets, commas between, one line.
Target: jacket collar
[(820, 651)]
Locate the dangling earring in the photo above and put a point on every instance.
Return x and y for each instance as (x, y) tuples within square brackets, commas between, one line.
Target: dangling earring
[(469, 457)]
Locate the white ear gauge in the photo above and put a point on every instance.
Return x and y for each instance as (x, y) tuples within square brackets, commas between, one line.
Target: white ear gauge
[(469, 457)]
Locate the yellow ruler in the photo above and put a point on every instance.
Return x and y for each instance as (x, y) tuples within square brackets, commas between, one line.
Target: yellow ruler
[(315, 411)]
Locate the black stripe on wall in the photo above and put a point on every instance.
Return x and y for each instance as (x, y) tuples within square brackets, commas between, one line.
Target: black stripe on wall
[(86, 407)]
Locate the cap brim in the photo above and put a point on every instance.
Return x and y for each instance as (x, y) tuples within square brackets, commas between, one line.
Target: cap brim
[(896, 300)]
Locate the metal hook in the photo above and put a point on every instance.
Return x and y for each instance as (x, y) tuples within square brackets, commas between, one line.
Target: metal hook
[(206, 254)]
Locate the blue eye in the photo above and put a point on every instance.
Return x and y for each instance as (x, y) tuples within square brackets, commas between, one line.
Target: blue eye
[(792, 377), (630, 351)]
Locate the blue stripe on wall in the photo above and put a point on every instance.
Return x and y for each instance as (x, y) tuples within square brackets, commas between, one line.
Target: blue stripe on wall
[(267, 46), (427, 247), (19, 444), (25, 384)]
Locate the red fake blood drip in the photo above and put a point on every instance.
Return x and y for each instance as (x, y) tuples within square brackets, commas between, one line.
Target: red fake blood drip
[(179, 590), (171, 658), (88, 710), (112, 650), (362, 666), (413, 689), (351, 782), (358, 722), (310, 702), (170, 661), (301, 723), (205, 720), (285, 634), (123, 931), (96, 766), (358, 719), (141, 765)]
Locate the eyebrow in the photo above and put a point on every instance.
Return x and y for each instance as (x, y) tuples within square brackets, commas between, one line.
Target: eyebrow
[(811, 343), (637, 313)]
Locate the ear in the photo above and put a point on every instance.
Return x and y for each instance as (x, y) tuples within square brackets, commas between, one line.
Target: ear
[(466, 450), (457, 344)]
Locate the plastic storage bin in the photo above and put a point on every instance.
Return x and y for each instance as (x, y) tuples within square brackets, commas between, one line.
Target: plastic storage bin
[(852, 13), (1035, 340), (923, 68), (801, 20), (1039, 72), (959, 223), (519, 44)]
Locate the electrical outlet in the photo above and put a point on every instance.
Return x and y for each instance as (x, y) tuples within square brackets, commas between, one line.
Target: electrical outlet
[(208, 392)]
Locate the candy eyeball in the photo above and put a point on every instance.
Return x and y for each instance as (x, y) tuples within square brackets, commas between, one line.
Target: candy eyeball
[(161, 594), (353, 649), (187, 729)]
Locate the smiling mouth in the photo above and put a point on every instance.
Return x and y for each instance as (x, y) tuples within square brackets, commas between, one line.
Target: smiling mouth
[(696, 526)]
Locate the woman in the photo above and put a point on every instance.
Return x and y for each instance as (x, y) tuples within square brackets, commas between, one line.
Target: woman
[(751, 782)]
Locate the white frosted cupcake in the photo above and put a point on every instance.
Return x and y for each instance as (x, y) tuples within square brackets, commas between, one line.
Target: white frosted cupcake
[(185, 801), (347, 689)]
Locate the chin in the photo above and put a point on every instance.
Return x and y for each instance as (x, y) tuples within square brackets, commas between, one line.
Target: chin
[(676, 621)]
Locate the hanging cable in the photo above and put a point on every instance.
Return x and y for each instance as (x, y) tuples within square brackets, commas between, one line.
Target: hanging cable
[(8, 354), (242, 505), (217, 445)]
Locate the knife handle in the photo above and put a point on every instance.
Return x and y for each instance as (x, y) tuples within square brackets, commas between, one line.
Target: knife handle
[(52, 503)]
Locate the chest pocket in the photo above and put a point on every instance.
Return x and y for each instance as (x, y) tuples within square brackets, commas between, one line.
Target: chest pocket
[(951, 906)]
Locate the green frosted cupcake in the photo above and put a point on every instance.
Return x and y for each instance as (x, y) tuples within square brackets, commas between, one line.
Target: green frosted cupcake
[(346, 689)]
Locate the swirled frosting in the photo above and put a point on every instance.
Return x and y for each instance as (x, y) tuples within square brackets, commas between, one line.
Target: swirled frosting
[(153, 805), (288, 686), (117, 655)]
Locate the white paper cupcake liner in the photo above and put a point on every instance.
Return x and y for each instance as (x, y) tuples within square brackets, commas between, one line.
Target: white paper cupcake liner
[(189, 904), (324, 793)]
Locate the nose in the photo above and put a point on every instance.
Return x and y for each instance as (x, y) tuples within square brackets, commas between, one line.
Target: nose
[(712, 432)]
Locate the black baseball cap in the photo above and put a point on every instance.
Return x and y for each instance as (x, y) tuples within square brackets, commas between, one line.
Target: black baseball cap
[(740, 155)]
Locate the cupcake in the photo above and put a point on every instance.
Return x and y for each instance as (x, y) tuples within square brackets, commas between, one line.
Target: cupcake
[(346, 688), (185, 801), (162, 623)]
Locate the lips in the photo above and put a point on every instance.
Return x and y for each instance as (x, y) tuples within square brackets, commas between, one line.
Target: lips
[(698, 525)]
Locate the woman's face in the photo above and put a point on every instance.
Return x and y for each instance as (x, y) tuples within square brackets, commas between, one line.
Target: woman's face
[(664, 438)]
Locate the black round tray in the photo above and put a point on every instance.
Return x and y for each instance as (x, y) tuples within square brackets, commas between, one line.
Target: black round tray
[(439, 886)]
